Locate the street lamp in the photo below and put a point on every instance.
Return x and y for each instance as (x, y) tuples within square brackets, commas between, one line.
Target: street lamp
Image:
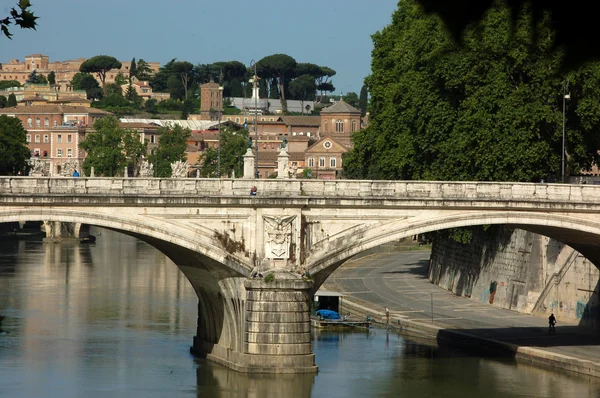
[(254, 82), (565, 98), (219, 105)]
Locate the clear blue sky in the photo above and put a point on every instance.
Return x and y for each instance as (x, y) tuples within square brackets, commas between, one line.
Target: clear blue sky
[(334, 33)]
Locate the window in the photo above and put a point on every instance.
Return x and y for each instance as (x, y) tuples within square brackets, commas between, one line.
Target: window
[(339, 126), (353, 125), (271, 119), (325, 126), (38, 122), (152, 139), (308, 133), (237, 119), (69, 139), (311, 162), (37, 138), (46, 140), (55, 123), (59, 138), (321, 161), (332, 162), (69, 153), (59, 153), (29, 122), (46, 122), (28, 138)]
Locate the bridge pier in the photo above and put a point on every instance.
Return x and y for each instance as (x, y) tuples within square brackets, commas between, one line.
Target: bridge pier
[(266, 329)]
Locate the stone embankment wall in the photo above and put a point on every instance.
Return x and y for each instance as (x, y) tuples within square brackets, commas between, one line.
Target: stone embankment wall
[(520, 271)]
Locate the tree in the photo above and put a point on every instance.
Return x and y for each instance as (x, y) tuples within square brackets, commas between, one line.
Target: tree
[(186, 109), (52, 77), (132, 69), (34, 78), (278, 66), (363, 99), (328, 87), (143, 70), (13, 146), (150, 106), (23, 17), (134, 150), (303, 88), (100, 65), (87, 82), (12, 101), (171, 148), (185, 72), (352, 99), (488, 110), (4, 84), (120, 79), (105, 148), (233, 147), (323, 83), (3, 101), (159, 81)]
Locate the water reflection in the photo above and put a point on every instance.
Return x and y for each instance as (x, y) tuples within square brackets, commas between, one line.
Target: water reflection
[(116, 318)]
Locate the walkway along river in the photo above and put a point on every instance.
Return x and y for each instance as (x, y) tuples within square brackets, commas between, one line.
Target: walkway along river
[(116, 319)]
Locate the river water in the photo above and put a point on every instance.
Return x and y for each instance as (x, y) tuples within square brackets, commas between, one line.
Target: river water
[(116, 319)]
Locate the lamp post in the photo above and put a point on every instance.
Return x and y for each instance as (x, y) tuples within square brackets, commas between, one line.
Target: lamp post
[(565, 98), (219, 105), (254, 82)]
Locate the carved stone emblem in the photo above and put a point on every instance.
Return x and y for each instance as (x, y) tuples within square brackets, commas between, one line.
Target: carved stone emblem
[(278, 232)]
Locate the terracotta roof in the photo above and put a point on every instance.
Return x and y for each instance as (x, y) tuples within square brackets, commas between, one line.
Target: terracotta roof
[(44, 109), (314, 121), (34, 98), (340, 107)]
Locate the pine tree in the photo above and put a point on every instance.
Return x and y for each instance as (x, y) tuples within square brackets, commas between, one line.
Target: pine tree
[(132, 69), (52, 78), (363, 99), (12, 101)]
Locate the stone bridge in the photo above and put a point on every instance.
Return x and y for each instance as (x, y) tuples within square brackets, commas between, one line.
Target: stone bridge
[(255, 261)]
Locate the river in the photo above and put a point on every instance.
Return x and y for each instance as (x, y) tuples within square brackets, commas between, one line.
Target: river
[(116, 319)]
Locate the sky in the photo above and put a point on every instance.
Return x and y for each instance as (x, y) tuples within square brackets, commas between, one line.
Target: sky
[(333, 33)]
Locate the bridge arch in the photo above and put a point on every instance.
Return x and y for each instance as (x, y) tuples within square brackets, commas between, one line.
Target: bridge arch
[(581, 234)]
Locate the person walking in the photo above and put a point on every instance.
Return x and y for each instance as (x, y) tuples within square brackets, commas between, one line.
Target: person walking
[(551, 322)]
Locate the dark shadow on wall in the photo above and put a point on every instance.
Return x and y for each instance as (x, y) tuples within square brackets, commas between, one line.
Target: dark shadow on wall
[(589, 313)]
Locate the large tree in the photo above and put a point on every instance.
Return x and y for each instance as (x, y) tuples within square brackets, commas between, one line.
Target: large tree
[(132, 69), (4, 84), (13, 146), (100, 65), (88, 83), (363, 99), (3, 101), (185, 73), (35, 78), (143, 70), (490, 109), (171, 148), (21, 16), (105, 148), (303, 88), (279, 67), (233, 147), (12, 100), (52, 77), (159, 81)]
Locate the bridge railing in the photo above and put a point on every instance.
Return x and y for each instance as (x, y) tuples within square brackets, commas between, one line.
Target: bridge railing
[(298, 188)]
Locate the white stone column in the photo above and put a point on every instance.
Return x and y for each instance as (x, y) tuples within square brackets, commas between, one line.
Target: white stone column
[(282, 163), (249, 164)]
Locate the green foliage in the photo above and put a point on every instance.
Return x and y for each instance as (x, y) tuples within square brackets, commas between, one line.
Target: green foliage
[(134, 150), (143, 70), (120, 79), (352, 99), (34, 78), (132, 69), (22, 17), (3, 101), (87, 82), (270, 277), (171, 148), (12, 101), (13, 146), (52, 77), (186, 109), (278, 66), (150, 106), (4, 84), (184, 71), (159, 81), (105, 148), (363, 99), (303, 88), (100, 65), (488, 110), (233, 147)]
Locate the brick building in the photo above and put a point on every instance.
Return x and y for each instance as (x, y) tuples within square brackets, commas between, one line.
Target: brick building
[(339, 121)]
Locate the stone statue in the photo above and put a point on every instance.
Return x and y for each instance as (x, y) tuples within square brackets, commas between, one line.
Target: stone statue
[(146, 169), (293, 170), (249, 142), (67, 168), (179, 169), (284, 142), (36, 167)]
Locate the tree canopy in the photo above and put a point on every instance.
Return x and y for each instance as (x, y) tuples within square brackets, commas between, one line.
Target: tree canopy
[(171, 148), (233, 147), (87, 82), (22, 16), (4, 84), (100, 65), (105, 148), (13, 146), (488, 110), (11, 101)]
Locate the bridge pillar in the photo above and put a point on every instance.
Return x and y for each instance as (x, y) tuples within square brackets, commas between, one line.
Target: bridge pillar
[(267, 330)]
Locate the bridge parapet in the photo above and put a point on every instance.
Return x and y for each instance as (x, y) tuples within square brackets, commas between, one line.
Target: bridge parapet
[(300, 188)]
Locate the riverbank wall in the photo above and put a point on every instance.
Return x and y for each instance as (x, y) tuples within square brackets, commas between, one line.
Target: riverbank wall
[(519, 271)]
